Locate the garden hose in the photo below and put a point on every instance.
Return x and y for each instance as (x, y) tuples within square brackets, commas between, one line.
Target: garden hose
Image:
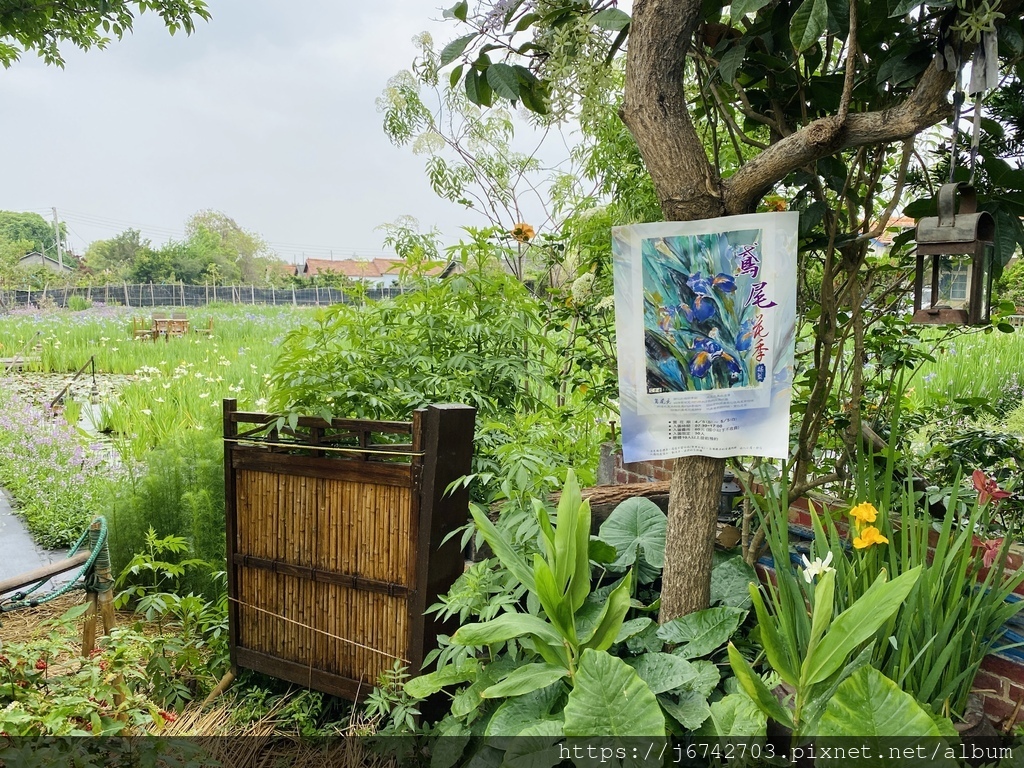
[(87, 579)]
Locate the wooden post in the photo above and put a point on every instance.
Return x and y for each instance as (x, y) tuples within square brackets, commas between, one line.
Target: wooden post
[(152, 297), (294, 303), (252, 288), (100, 591), (127, 301), (445, 436)]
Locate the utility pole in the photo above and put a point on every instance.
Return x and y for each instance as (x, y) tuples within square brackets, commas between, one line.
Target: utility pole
[(56, 232)]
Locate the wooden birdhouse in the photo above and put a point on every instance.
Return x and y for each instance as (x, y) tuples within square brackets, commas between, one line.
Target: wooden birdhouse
[(953, 284)]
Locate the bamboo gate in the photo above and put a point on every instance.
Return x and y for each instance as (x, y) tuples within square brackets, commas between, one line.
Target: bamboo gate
[(335, 534)]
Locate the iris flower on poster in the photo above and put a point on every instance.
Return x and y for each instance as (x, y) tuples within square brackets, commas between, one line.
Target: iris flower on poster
[(699, 322)]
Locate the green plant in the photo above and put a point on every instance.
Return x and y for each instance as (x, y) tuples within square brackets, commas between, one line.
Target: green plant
[(933, 645), (816, 652), (78, 303)]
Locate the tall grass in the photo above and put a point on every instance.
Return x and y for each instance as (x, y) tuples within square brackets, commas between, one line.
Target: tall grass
[(977, 365)]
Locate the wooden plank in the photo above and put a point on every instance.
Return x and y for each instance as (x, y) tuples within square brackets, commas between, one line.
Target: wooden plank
[(45, 572), (381, 473), (303, 674)]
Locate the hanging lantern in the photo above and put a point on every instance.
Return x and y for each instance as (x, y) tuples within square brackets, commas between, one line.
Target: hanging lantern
[(953, 284)]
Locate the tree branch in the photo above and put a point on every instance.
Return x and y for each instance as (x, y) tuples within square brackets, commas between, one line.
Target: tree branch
[(925, 107), (654, 109)]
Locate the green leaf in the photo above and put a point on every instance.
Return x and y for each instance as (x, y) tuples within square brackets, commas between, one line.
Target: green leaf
[(502, 79), (579, 581), (730, 580), (756, 689), (612, 615), (663, 671), (700, 633), (636, 525), (735, 715), (610, 699), (458, 11), (781, 656), (520, 712), (808, 24), (730, 62), (74, 612), (690, 711), (741, 8), (455, 76), (600, 552), (707, 678), (526, 679), (454, 49), (633, 627), (869, 705), (611, 19), (501, 546), (535, 746), (856, 624), (477, 89), (505, 627), (824, 600), (555, 605), (426, 685), (903, 7), (449, 749)]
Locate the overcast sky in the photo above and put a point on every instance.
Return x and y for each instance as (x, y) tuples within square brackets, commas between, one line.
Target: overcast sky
[(265, 113)]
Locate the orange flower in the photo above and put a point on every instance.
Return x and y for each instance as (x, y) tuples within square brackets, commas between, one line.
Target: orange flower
[(864, 513), (868, 537), (523, 232)]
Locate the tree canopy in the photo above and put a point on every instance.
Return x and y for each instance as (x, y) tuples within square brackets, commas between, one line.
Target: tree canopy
[(43, 26), (821, 102)]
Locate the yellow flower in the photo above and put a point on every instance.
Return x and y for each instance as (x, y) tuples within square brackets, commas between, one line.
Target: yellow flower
[(864, 513), (868, 537), (523, 232)]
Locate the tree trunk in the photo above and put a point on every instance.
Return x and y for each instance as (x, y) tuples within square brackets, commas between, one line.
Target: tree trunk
[(690, 540)]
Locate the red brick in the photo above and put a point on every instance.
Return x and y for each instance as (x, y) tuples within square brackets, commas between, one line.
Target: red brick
[(620, 475), (987, 683), (999, 709), (1005, 668)]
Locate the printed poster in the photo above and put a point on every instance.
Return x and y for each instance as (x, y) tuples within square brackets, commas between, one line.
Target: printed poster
[(705, 315)]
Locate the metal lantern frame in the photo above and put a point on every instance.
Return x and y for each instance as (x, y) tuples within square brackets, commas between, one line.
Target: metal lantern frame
[(954, 233)]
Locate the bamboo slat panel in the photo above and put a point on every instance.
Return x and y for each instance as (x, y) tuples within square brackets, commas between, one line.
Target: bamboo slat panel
[(330, 554)]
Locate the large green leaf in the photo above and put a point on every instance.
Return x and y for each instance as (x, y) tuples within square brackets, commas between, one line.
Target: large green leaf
[(868, 705), (808, 24), (856, 624), (663, 671), (526, 679), (730, 580), (756, 689), (505, 627), (448, 750), (707, 678), (520, 712), (610, 699), (698, 634), (636, 525), (735, 715), (690, 711), (535, 746), (565, 531)]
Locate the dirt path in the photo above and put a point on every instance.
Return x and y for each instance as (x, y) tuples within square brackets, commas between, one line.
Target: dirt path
[(18, 552)]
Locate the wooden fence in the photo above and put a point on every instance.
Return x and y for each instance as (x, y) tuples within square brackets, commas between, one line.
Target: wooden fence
[(335, 537)]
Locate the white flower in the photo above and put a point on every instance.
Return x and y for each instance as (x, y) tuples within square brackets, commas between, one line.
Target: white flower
[(204, 394), (818, 568), (147, 411)]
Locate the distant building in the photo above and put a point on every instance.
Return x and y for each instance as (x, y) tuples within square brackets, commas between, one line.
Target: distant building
[(35, 260), (895, 227), (380, 272)]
